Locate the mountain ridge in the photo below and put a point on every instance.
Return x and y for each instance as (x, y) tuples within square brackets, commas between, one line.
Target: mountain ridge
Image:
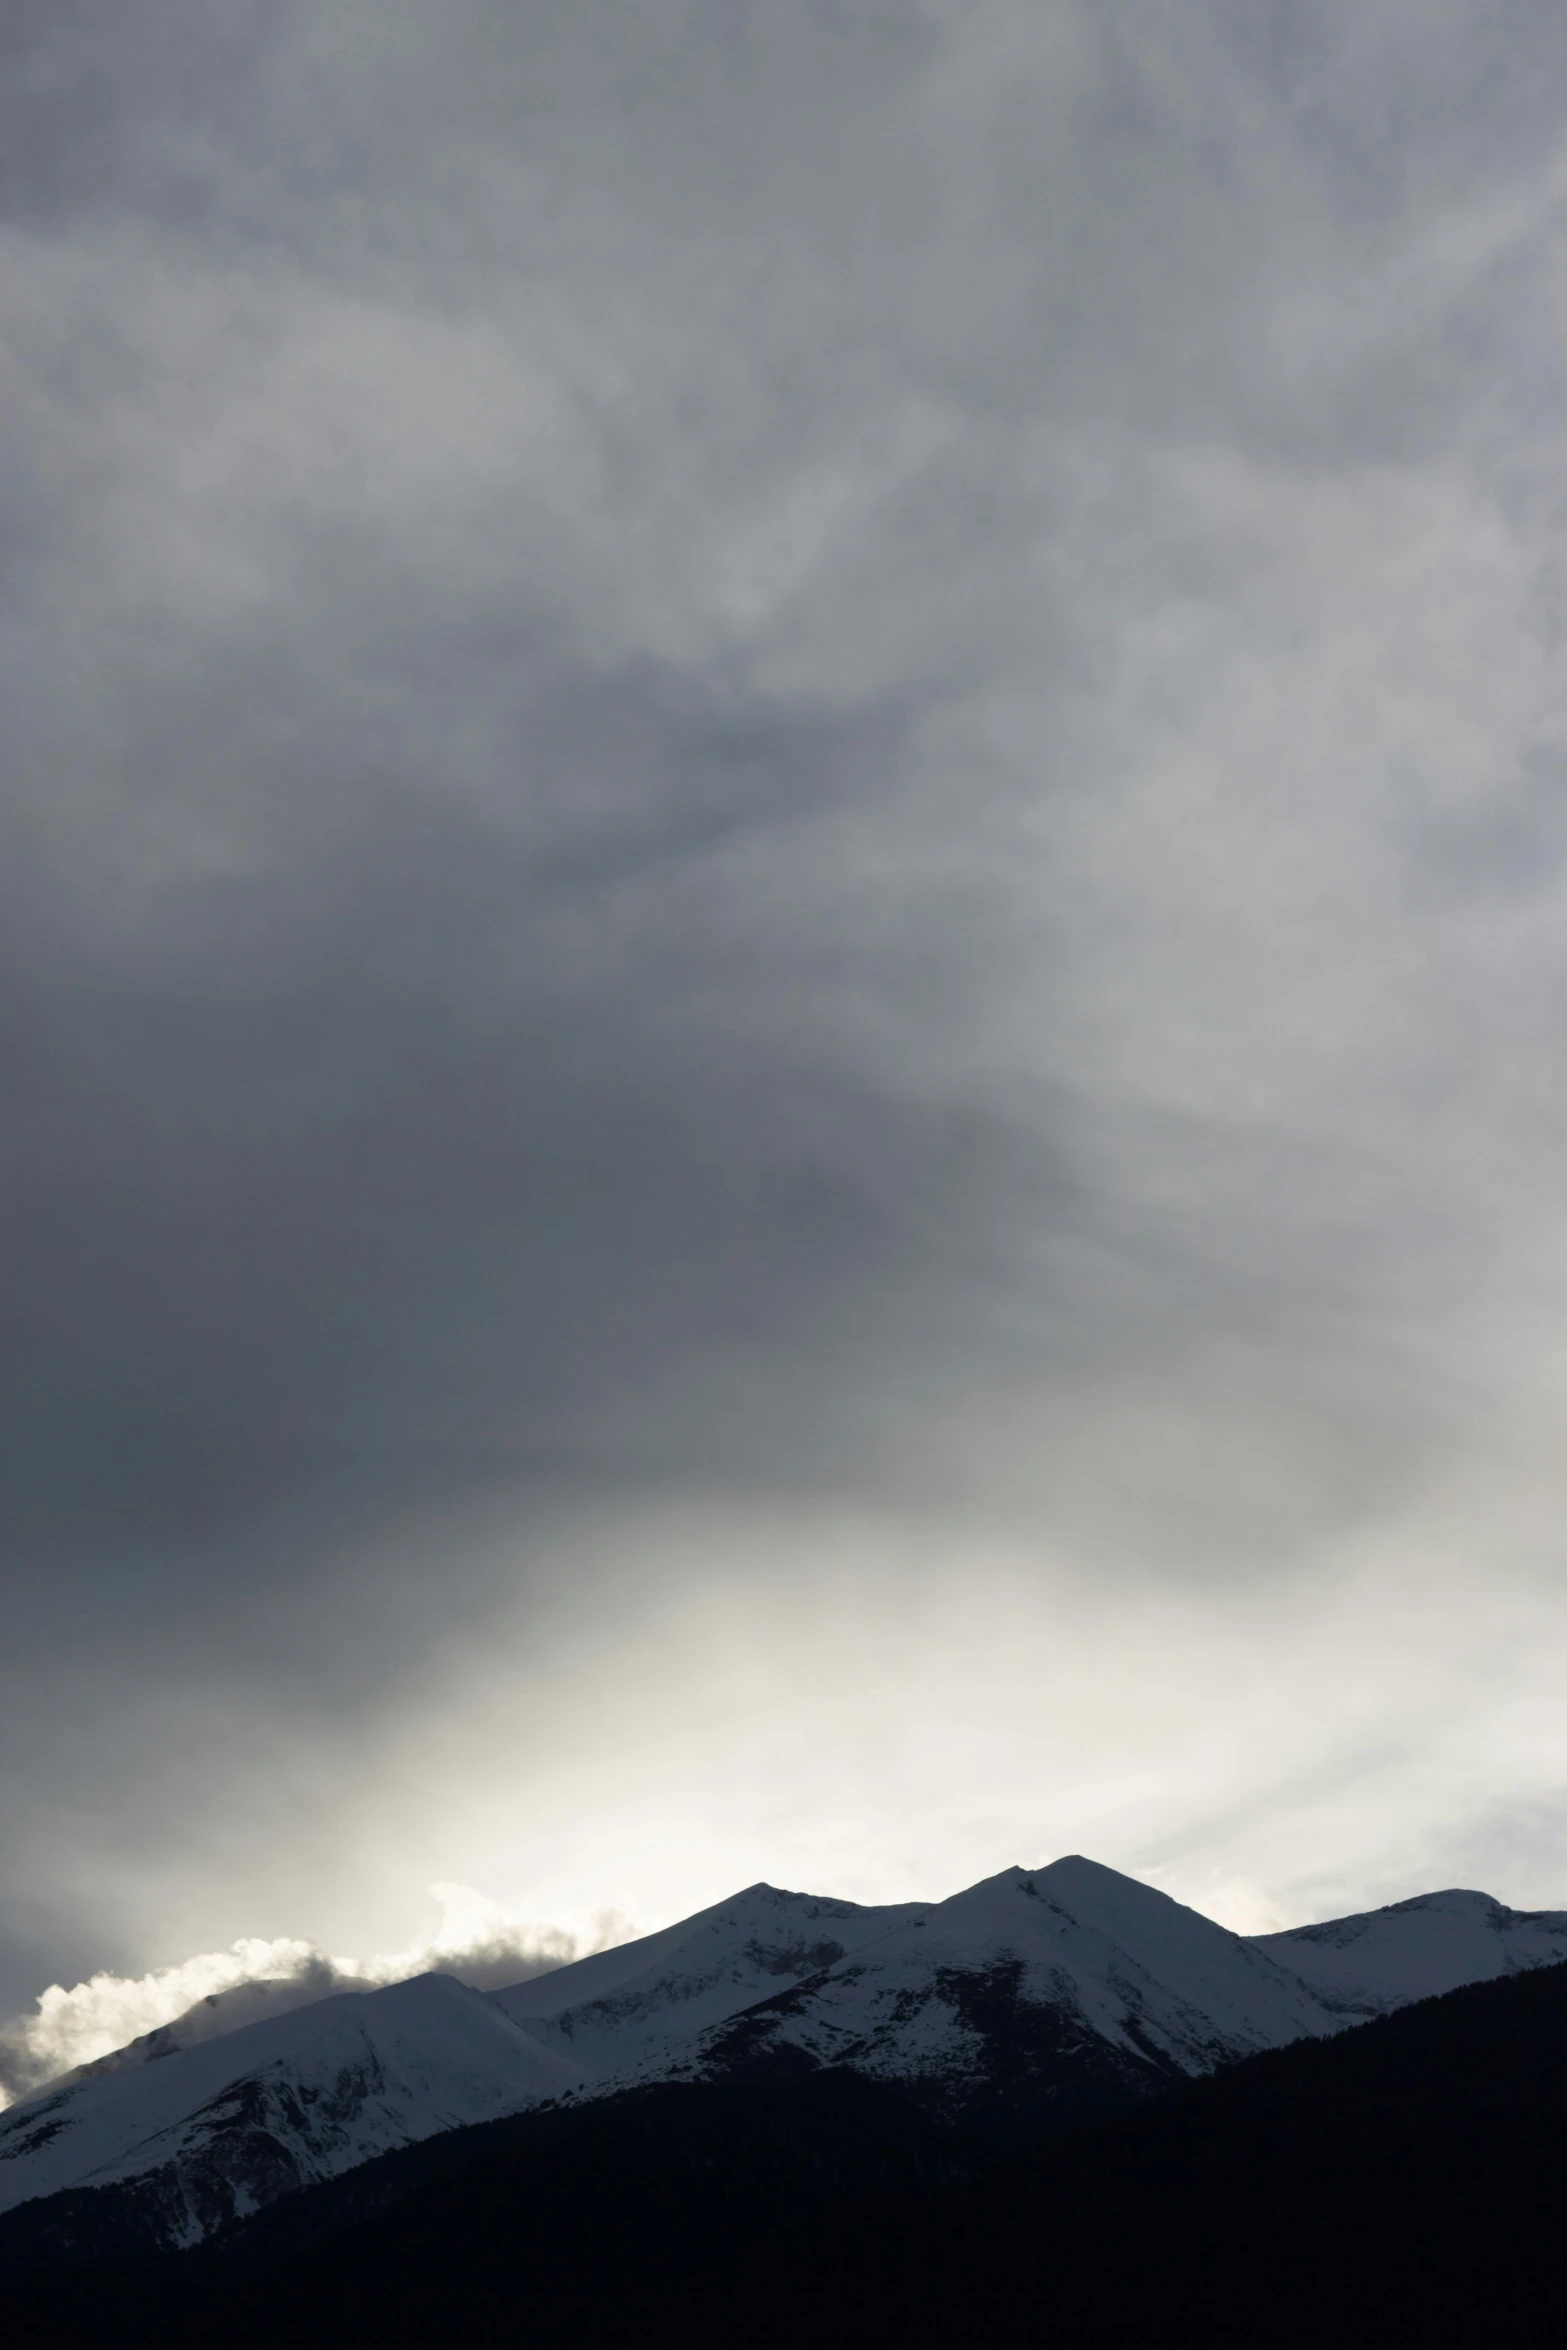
[(1033, 2001), (1400, 2182)]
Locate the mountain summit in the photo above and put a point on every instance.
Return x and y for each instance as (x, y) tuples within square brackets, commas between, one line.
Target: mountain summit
[(1036, 1994)]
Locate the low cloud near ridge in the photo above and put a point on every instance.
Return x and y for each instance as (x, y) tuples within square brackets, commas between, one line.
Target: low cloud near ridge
[(475, 1940)]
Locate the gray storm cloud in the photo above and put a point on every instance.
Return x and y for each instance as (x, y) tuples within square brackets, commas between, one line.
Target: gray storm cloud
[(793, 763)]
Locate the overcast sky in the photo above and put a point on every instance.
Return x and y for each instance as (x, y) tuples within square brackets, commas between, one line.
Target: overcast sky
[(783, 899)]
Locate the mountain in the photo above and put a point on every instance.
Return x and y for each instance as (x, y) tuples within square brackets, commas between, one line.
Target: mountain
[(211, 2018), (1365, 1966), (1034, 1998), (196, 2135), (1398, 2183), (635, 2005), (204, 2120), (1035, 2001)]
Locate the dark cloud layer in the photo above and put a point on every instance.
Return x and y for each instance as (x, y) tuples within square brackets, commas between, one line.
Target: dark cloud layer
[(801, 756)]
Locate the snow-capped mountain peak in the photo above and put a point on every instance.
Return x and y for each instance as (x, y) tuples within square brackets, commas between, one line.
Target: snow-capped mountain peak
[(1382, 1958), (633, 2004), (1069, 1983), (211, 2018)]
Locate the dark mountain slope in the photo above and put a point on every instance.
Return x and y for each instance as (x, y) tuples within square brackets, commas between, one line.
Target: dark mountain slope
[(1404, 2183)]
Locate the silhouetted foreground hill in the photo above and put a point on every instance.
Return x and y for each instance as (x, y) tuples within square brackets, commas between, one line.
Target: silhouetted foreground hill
[(1405, 2183)]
